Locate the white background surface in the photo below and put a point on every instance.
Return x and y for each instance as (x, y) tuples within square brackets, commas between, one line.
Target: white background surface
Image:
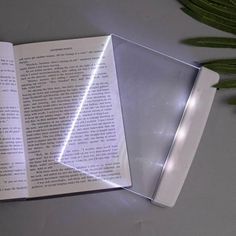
[(207, 203)]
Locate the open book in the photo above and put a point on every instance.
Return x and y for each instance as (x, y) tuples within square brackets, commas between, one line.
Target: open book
[(61, 128)]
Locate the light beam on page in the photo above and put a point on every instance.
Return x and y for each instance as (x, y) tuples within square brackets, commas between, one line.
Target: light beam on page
[(78, 112), (91, 80)]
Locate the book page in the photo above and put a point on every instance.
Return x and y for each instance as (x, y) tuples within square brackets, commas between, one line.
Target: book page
[(12, 162), (72, 116)]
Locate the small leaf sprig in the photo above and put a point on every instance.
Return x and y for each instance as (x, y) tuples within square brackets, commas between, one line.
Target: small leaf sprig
[(220, 14)]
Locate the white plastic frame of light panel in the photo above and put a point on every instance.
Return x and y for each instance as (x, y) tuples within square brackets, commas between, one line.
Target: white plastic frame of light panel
[(187, 136), (187, 139)]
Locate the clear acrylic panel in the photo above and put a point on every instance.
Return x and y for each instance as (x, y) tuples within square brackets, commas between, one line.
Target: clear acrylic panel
[(154, 89)]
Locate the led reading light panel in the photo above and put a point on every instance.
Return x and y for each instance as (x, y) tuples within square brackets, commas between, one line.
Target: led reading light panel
[(102, 113)]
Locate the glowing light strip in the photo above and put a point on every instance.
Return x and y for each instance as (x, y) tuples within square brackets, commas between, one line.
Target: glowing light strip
[(112, 184), (186, 140), (83, 99)]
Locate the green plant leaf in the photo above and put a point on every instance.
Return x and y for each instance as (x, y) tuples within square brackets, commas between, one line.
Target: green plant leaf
[(218, 9), (226, 84), (233, 2), (198, 9), (214, 42), (226, 3), (231, 101), (210, 22), (222, 68), (231, 61)]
